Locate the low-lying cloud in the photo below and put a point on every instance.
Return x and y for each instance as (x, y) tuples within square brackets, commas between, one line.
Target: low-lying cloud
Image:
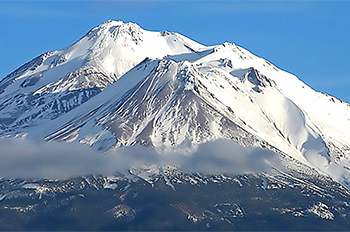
[(226, 156), (20, 158), (25, 159)]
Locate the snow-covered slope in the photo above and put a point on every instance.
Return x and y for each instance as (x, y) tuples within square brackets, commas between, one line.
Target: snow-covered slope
[(58, 81), (121, 85)]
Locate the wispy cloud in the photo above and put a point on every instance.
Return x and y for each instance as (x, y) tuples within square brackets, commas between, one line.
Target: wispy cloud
[(20, 158)]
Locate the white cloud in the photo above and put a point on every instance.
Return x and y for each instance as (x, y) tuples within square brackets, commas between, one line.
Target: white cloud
[(20, 158)]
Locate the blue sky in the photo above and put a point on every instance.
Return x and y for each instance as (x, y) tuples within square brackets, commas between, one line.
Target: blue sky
[(307, 38)]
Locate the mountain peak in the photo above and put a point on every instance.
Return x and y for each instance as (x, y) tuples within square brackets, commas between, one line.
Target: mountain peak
[(111, 21), (113, 28)]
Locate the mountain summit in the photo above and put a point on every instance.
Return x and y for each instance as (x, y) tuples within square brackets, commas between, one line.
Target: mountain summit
[(121, 85), (58, 81)]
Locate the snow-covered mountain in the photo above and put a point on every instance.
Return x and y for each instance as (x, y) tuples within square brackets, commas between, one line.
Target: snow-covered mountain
[(121, 85), (58, 81)]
